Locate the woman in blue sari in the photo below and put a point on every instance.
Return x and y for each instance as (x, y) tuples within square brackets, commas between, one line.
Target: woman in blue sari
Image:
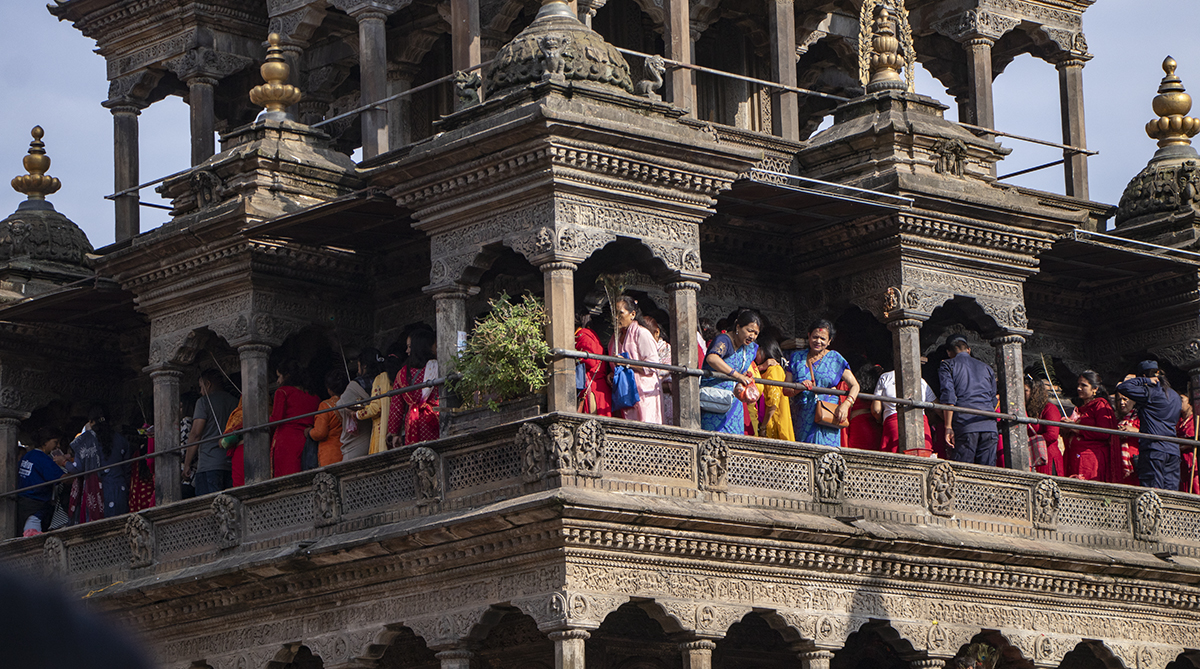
[(731, 354), (819, 366)]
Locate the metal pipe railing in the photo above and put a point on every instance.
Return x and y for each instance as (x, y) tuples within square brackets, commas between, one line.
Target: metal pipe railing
[(918, 404), (263, 426)]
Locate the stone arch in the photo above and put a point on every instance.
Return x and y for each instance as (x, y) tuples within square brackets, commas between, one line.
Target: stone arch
[(1091, 654), (1010, 655), (189, 348), (624, 254), (399, 647), (507, 634), (631, 637), (1188, 659), (875, 645), (760, 639), (295, 656)]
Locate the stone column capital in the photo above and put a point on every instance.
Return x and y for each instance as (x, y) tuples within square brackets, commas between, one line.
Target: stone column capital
[(558, 266), (455, 291), (1069, 61), (9, 421), (163, 372), (455, 654), (905, 321), (253, 350), (675, 286), (699, 644), (200, 80), (978, 40), (124, 107), (565, 635), (1007, 338)]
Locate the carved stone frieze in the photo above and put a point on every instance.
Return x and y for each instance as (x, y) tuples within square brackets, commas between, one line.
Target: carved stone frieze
[(942, 487), (140, 534), (1046, 501), (712, 463), (228, 511), (976, 23), (176, 44), (1147, 514), (205, 62), (562, 610), (327, 500), (561, 449), (830, 478)]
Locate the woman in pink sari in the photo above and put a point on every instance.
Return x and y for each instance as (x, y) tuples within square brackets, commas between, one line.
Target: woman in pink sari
[(635, 340)]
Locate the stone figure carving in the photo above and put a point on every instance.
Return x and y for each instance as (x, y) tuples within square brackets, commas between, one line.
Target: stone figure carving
[(326, 503), (141, 540), (655, 68), (713, 463), (532, 441), (1046, 500), (207, 188), (429, 486), (562, 446), (228, 511), (951, 157), (54, 556), (551, 56), (466, 87), (941, 489), (1147, 515), (589, 448), (830, 478)]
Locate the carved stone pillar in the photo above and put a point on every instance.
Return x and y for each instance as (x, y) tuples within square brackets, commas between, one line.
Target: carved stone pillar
[(906, 355), (400, 78), (815, 659), (256, 451), (979, 82), (1011, 368), (785, 105), (9, 426), (465, 44), (697, 654), (166, 435), (203, 117), (568, 648), (372, 63), (560, 332), (455, 659), (685, 317), (450, 305), (1070, 92), (677, 39), (125, 167)]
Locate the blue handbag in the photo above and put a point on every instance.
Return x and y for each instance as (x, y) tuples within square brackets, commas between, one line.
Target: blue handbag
[(580, 376), (625, 391)]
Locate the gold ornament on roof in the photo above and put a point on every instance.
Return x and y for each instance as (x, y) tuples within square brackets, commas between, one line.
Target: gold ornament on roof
[(36, 185), (1173, 125), (885, 46), (276, 95)]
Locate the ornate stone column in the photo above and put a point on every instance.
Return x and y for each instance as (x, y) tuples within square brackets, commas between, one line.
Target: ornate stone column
[(684, 315), (399, 79), (906, 356), (568, 648), (785, 105), (10, 424), (166, 434), (979, 81), (1070, 92), (455, 659), (256, 451), (677, 39), (203, 118), (450, 304), (372, 64), (125, 166), (697, 654), (815, 659), (559, 280), (1010, 367)]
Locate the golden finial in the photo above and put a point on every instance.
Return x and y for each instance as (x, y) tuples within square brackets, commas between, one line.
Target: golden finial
[(36, 185), (886, 61), (1173, 125), (276, 95)]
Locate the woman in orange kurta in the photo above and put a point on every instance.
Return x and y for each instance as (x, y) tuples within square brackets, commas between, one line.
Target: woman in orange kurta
[(1090, 455), (327, 427), (287, 440)]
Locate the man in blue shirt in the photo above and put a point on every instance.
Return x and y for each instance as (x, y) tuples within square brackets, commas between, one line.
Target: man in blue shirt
[(1158, 408), (971, 384), (34, 507)]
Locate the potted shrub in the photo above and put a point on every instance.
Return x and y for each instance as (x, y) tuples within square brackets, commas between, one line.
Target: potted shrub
[(502, 367)]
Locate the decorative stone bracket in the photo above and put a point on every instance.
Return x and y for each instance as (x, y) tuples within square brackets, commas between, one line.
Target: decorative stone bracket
[(561, 450), (140, 533), (229, 513), (327, 500)]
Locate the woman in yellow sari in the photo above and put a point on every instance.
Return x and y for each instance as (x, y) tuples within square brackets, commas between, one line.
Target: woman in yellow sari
[(778, 422)]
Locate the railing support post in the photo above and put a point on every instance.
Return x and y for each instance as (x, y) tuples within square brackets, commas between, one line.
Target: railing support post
[(256, 449), (686, 391), (166, 435), (560, 332)]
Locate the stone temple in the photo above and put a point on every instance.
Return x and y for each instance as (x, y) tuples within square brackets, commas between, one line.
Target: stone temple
[(519, 145)]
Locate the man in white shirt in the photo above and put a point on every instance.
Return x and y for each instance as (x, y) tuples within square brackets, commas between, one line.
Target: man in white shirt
[(891, 421)]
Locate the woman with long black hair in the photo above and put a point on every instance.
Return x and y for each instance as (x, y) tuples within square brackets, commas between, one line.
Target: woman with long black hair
[(415, 413), (105, 494), (291, 399), (356, 432)]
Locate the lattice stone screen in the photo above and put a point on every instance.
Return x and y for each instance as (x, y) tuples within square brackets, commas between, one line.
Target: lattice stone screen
[(883, 487), (101, 554), (187, 536), (1179, 524), (1100, 513), (769, 473), (483, 466), (378, 491), (636, 458), (287, 511), (991, 500)]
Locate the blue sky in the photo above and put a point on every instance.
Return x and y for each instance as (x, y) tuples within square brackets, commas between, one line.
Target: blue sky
[(51, 78)]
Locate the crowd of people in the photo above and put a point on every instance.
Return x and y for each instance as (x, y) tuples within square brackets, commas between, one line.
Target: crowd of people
[(747, 348), (214, 457)]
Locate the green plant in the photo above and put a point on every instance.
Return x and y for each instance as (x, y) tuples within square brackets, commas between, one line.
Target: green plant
[(506, 355)]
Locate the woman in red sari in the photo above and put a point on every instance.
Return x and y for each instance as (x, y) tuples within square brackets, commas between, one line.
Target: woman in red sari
[(287, 440), (416, 410), (596, 395), (1189, 478), (1090, 455), (1125, 467), (864, 431), (1038, 405)]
